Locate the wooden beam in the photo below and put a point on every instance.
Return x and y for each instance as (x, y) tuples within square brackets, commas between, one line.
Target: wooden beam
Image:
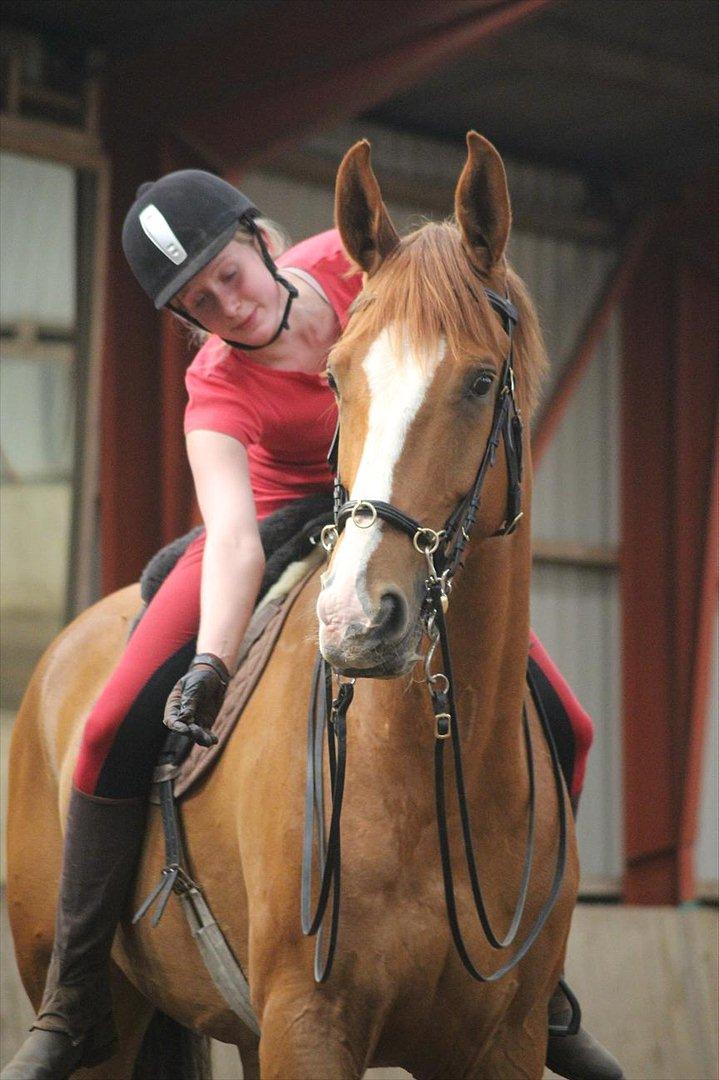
[(305, 101), (130, 476), (53, 142), (700, 634), (176, 503), (244, 59), (670, 393), (83, 573), (574, 553)]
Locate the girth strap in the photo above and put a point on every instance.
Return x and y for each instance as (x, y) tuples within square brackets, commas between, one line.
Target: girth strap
[(221, 964)]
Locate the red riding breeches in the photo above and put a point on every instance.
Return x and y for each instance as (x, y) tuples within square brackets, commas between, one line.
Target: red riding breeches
[(124, 733)]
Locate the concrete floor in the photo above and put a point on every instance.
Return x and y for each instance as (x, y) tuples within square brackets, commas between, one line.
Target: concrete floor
[(648, 980)]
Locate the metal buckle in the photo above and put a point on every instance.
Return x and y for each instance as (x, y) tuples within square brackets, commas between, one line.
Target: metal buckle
[(442, 734), (361, 507), (505, 530), (437, 732), (329, 537)]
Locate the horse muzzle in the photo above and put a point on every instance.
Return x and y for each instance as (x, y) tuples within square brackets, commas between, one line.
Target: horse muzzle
[(382, 645)]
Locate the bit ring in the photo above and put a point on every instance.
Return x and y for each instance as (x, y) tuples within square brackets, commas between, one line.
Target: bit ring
[(432, 541), (329, 537)]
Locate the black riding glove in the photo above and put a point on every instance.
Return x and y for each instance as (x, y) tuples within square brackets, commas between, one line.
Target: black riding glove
[(196, 698)]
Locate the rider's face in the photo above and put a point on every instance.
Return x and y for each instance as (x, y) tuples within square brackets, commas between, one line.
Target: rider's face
[(235, 295)]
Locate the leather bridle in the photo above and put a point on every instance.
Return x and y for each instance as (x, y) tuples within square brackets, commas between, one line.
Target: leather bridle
[(506, 424), (443, 551)]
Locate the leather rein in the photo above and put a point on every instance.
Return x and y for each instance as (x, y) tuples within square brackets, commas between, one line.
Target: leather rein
[(327, 714)]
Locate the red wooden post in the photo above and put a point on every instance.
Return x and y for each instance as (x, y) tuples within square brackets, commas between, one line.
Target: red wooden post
[(130, 437), (178, 347), (670, 390)]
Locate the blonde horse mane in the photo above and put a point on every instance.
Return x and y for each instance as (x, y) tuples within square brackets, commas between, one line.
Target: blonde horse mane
[(427, 289)]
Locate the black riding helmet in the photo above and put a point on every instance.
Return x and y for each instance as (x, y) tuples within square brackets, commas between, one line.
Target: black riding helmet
[(177, 225)]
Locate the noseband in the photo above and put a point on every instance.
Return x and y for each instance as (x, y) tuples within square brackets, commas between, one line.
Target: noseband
[(443, 552)]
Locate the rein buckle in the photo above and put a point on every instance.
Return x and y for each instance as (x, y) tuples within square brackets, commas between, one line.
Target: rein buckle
[(506, 530), (442, 725)]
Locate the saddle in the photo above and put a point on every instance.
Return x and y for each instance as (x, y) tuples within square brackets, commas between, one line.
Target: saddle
[(289, 540)]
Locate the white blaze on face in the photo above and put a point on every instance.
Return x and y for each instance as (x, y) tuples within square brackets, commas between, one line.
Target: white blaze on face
[(397, 389)]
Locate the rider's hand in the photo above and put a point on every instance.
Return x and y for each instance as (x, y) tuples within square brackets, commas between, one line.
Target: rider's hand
[(196, 698)]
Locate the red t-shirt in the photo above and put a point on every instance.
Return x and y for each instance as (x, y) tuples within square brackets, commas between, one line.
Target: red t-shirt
[(285, 419)]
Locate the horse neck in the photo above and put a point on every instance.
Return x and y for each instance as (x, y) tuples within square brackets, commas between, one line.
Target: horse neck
[(488, 629)]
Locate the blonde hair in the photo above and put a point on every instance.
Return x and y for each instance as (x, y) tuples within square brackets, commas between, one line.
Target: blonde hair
[(276, 240)]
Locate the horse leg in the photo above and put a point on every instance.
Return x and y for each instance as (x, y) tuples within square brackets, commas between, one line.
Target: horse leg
[(517, 1051), (306, 1039)]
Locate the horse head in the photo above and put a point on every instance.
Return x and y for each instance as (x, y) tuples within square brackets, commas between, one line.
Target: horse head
[(417, 375)]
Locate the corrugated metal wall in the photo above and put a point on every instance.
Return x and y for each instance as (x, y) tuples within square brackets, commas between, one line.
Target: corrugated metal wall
[(575, 610)]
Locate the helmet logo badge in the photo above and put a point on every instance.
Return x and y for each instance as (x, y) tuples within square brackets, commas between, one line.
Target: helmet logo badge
[(157, 229)]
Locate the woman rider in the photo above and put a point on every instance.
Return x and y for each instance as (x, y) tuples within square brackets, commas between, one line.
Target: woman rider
[(259, 423)]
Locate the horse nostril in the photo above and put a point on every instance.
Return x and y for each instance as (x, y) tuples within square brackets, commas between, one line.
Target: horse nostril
[(392, 621)]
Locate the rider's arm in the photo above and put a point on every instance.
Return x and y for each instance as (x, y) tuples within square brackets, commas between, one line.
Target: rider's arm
[(233, 562)]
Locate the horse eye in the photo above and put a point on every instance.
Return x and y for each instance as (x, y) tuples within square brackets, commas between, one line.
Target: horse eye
[(331, 382), (481, 384)]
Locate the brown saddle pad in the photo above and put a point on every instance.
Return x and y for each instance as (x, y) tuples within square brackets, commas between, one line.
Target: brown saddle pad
[(257, 646)]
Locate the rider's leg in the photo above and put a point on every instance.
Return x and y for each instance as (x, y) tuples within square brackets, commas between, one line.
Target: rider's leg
[(121, 741), (579, 1056)]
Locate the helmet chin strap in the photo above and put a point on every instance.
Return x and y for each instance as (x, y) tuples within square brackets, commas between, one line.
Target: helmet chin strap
[(292, 293)]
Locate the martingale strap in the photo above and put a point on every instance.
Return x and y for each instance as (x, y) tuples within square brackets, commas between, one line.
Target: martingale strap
[(447, 727), (442, 565), (330, 716)]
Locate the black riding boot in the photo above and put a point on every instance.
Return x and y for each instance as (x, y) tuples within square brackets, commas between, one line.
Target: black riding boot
[(577, 1056), (74, 1026)]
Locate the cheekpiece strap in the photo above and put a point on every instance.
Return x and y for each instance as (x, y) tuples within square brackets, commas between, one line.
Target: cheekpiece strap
[(504, 306)]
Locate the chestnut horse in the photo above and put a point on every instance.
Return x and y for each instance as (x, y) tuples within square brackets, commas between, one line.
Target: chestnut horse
[(417, 374)]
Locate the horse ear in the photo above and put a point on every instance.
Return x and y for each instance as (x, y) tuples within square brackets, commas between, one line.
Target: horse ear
[(365, 226), (481, 203)]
